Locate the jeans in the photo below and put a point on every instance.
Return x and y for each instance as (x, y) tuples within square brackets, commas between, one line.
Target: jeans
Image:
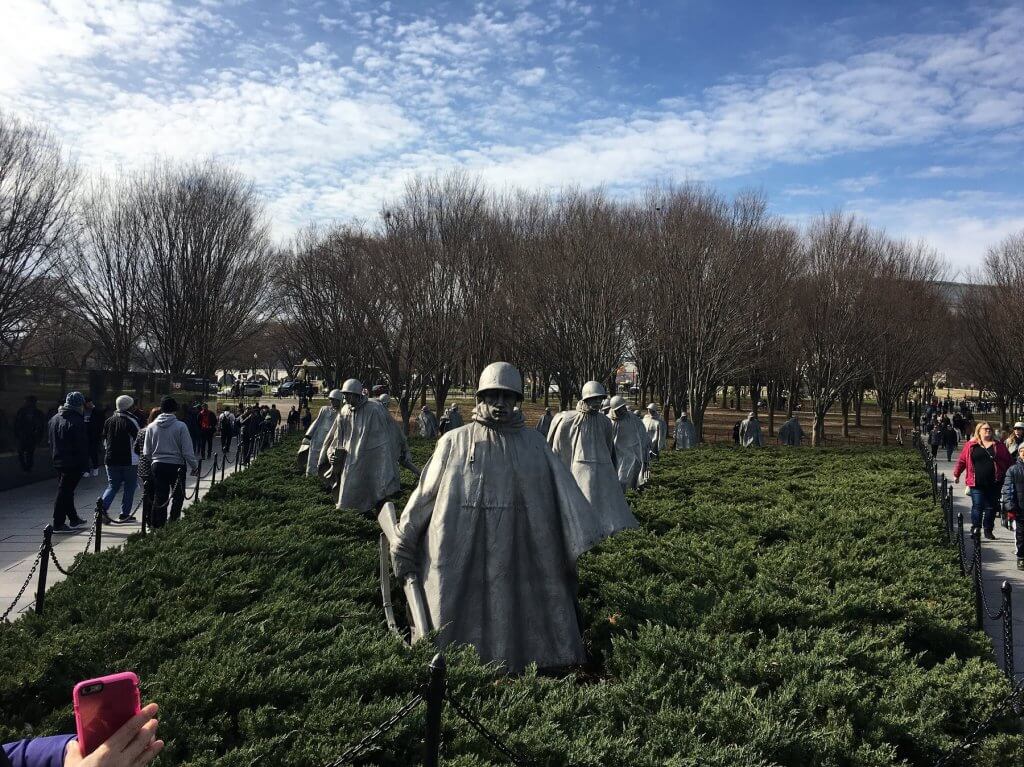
[(225, 440), (166, 476), (128, 476), (984, 499), (949, 452), (64, 505), (206, 440), (26, 453)]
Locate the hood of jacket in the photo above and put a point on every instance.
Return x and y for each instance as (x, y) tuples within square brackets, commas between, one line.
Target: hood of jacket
[(165, 419)]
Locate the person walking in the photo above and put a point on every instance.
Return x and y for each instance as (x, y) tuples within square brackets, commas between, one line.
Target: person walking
[(119, 458), (29, 425), (227, 429), (307, 418), (207, 428), (168, 445), (145, 469), (984, 460), (935, 438), (94, 435), (949, 440), (1013, 502), (293, 420), (69, 445)]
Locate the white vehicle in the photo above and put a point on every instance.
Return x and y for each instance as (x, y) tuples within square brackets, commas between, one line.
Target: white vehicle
[(252, 390)]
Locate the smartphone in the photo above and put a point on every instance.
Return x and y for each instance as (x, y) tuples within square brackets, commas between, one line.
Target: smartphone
[(102, 706)]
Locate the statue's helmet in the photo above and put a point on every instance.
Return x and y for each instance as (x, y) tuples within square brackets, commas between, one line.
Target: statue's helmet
[(616, 402), (652, 407), (352, 386), (335, 394), (500, 375), (384, 399), (593, 389)]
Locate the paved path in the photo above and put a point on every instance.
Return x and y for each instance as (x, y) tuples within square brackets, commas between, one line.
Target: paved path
[(26, 510), (999, 563)]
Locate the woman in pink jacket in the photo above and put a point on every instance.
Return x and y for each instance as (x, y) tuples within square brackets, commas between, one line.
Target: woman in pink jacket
[(986, 460)]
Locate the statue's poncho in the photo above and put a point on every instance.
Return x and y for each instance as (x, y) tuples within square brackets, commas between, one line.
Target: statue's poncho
[(544, 424), (369, 474), (454, 418), (791, 433), (584, 441), (686, 435), (494, 530), (750, 433), (428, 423), (657, 431), (316, 433), (632, 447)]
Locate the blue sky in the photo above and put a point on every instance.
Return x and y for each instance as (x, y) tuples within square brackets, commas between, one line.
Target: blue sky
[(910, 114)]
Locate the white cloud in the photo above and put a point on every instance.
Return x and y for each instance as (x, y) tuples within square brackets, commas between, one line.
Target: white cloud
[(529, 77), (859, 184)]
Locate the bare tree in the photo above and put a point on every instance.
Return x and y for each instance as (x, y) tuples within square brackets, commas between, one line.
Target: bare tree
[(830, 307), (36, 220), (204, 253)]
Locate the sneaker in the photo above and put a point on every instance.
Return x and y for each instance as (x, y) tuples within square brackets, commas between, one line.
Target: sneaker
[(974, 531), (1020, 564), (76, 523), (125, 518), (64, 529), (990, 535), (108, 520)]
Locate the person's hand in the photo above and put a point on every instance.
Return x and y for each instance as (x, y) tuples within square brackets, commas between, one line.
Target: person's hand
[(956, 480), (133, 745)]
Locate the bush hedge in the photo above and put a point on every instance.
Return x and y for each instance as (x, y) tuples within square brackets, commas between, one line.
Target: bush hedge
[(774, 607)]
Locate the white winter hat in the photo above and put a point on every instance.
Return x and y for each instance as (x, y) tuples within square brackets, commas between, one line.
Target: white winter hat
[(1019, 425), (124, 403)]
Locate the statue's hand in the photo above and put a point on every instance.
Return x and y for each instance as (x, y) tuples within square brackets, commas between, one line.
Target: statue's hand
[(405, 569), (305, 440)]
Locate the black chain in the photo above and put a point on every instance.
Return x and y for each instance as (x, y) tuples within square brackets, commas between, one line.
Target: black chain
[(88, 542), (1013, 700), (376, 733), (21, 591), (56, 563), (487, 734)]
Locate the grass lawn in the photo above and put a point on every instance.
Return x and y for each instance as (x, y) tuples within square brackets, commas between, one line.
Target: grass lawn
[(774, 607)]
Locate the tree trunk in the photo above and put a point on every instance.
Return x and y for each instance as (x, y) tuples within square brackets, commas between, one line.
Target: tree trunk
[(886, 423), (818, 429), (738, 404), (725, 396), (844, 405), (546, 383), (772, 388), (533, 387), (858, 404)]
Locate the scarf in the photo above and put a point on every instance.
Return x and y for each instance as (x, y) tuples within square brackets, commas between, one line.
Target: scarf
[(481, 416)]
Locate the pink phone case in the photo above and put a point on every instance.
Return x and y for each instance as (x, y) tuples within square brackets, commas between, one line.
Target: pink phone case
[(102, 706)]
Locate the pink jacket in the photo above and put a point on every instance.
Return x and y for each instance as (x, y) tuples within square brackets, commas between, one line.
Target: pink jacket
[(1003, 461)]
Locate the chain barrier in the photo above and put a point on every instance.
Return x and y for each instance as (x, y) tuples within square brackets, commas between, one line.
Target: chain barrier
[(24, 586), (371, 738), (489, 735)]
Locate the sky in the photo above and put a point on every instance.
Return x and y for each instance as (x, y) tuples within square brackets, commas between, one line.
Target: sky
[(908, 113)]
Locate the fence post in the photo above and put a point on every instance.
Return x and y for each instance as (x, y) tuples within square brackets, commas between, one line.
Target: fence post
[(199, 477), (935, 483), (942, 491), (213, 474), (1007, 589), (44, 560), (960, 541), (99, 525), (979, 605), (949, 505), (435, 704)]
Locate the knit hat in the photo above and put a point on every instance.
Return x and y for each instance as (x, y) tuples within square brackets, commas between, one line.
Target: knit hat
[(124, 403), (168, 405), (75, 399)]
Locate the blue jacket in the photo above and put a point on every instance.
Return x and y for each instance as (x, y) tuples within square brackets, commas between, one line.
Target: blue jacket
[(1013, 488), (35, 752), (69, 440)]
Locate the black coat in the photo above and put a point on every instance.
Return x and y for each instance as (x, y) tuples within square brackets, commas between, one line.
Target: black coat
[(69, 440), (119, 434)]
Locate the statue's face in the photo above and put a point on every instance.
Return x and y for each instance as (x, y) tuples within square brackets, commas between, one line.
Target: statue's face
[(352, 399), (499, 403), (336, 404), (593, 403)]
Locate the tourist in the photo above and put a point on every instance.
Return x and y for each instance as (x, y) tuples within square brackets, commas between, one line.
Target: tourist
[(69, 444), (94, 433), (134, 744), (29, 426), (226, 422), (1016, 438), (275, 416), (207, 422), (949, 439), (293, 420), (935, 438), (168, 445), (686, 433), (307, 418), (120, 460), (750, 432), (145, 469), (427, 422), (493, 533), (985, 460), (1013, 501), (736, 432)]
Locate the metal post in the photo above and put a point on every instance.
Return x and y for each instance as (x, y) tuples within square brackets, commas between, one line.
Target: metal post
[(942, 493), (99, 526), (435, 705), (44, 561), (935, 484), (960, 541), (1007, 590), (213, 474), (199, 477), (949, 505), (979, 604)]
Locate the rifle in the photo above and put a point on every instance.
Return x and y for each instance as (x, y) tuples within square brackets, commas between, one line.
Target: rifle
[(419, 617)]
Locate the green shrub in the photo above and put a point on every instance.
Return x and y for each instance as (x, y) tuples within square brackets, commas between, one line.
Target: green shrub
[(775, 607)]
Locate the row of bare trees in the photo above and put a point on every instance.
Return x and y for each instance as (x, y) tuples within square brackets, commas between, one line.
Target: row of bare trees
[(699, 290), (167, 268)]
